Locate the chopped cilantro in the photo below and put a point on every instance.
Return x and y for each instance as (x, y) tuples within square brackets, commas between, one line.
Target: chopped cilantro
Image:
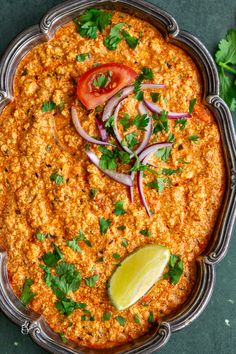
[(40, 236), (121, 320), (183, 161), (114, 38), (106, 316), (81, 57), (74, 245), (130, 40), (91, 21), (47, 277), (164, 153), (155, 97), (61, 106), (88, 243), (63, 337), (124, 242), (48, 106), (146, 73), (170, 172), (52, 258), (93, 192), (151, 317), (193, 138), (145, 233), (175, 269), (116, 255), (181, 122), (161, 123), (139, 95), (119, 208), (121, 227), (100, 260), (66, 306), (58, 179), (81, 236), (101, 81), (158, 184), (131, 140), (110, 122), (91, 281), (104, 225), (141, 121), (108, 158), (192, 104), (125, 121), (137, 319), (27, 295)]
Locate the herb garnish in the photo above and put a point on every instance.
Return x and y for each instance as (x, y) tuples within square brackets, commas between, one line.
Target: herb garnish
[(114, 38), (40, 236), (161, 123), (106, 316), (108, 158), (137, 319), (155, 97), (151, 317), (175, 269), (91, 281), (52, 258), (119, 208), (130, 40), (146, 74), (27, 295), (170, 172), (101, 81), (125, 121), (91, 21), (121, 227), (226, 55), (104, 225), (121, 320), (164, 153), (48, 106), (74, 245), (116, 255), (181, 122), (145, 233), (191, 105), (193, 138), (63, 337), (124, 242), (93, 192), (131, 140), (81, 57), (141, 121), (66, 306), (158, 184), (58, 179)]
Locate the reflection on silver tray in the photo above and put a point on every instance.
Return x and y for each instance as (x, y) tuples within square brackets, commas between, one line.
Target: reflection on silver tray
[(30, 322)]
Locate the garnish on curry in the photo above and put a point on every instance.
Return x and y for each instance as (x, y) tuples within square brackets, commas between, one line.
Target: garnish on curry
[(105, 149)]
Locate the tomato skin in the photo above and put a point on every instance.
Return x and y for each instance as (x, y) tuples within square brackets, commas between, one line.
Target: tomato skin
[(122, 76)]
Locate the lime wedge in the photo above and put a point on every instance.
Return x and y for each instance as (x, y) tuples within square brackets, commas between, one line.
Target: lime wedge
[(137, 273)]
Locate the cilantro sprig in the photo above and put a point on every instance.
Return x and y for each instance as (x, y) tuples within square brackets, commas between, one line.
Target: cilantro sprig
[(91, 21), (114, 38), (175, 269), (27, 295), (225, 57)]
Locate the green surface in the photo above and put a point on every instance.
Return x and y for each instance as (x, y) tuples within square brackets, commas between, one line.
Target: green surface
[(215, 330)]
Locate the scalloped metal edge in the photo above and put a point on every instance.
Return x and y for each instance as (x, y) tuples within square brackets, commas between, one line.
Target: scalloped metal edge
[(34, 324)]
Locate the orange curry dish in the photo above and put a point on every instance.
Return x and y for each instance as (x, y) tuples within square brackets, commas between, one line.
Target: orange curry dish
[(72, 208)]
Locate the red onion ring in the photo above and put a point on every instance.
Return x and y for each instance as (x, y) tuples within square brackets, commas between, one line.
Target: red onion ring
[(102, 130), (118, 177), (82, 132), (155, 108), (144, 156), (113, 102)]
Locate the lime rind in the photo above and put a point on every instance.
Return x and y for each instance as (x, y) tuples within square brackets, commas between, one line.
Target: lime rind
[(136, 275)]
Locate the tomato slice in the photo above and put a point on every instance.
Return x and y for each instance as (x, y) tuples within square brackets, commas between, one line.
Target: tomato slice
[(100, 83)]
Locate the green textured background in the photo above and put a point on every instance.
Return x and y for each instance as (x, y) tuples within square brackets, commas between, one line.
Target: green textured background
[(215, 330)]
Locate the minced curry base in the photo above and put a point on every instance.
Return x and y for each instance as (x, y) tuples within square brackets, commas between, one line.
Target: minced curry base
[(35, 144)]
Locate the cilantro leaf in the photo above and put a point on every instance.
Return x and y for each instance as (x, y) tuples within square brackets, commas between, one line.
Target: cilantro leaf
[(58, 179), (164, 153), (125, 121), (121, 320), (63, 337), (81, 57), (116, 255), (161, 123), (141, 121), (158, 184), (191, 105), (66, 306), (114, 38), (104, 225), (124, 242), (119, 208), (93, 192), (193, 138), (81, 236), (27, 295), (155, 97), (227, 49), (146, 73), (91, 21), (137, 319), (91, 281), (74, 245), (108, 158), (106, 316), (170, 172), (181, 122), (101, 81), (121, 227), (145, 233), (40, 236), (131, 140), (151, 317), (130, 40), (175, 269), (48, 276), (52, 258), (48, 106)]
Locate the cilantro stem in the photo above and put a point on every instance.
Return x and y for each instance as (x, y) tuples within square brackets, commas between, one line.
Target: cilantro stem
[(227, 67)]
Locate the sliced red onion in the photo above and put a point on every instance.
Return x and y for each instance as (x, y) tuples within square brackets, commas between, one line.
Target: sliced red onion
[(82, 132), (148, 132), (102, 130), (118, 177), (113, 102), (144, 156), (155, 108), (131, 189)]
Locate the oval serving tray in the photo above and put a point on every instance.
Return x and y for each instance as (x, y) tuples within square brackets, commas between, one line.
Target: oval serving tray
[(34, 324)]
